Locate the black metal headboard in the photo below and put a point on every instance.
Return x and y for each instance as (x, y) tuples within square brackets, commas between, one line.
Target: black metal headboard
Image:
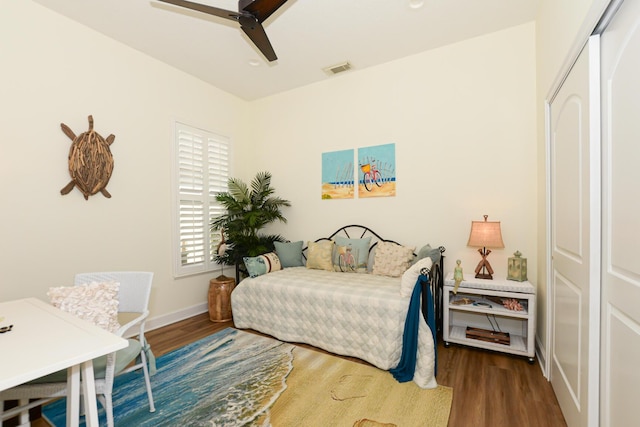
[(355, 231)]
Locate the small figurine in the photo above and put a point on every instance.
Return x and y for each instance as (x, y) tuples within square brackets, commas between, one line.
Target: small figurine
[(457, 276)]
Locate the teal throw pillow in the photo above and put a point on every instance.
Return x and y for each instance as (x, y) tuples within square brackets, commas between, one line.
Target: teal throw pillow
[(290, 253), (262, 264), (356, 248)]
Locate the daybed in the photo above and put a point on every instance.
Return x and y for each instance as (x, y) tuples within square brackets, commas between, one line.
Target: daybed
[(347, 313)]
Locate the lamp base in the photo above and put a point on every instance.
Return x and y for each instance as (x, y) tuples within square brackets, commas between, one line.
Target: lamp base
[(484, 270)]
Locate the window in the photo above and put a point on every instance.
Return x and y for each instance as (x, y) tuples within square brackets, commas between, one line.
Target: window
[(201, 171)]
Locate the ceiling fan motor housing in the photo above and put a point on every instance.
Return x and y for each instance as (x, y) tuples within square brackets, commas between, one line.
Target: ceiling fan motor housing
[(248, 20)]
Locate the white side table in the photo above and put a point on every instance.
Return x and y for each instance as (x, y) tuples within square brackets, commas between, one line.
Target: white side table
[(479, 304)]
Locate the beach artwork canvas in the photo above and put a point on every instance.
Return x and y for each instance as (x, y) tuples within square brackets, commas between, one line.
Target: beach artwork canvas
[(377, 171), (338, 175)]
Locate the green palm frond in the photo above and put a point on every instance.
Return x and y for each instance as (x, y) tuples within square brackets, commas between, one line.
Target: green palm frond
[(247, 212), (239, 191)]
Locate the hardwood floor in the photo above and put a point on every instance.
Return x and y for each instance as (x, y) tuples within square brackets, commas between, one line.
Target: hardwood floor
[(489, 389), (495, 389)]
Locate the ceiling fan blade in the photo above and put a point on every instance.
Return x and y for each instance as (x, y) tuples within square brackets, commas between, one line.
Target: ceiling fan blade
[(215, 11), (261, 9), (258, 36)]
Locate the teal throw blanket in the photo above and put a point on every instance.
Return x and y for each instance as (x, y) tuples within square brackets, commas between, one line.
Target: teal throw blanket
[(407, 366)]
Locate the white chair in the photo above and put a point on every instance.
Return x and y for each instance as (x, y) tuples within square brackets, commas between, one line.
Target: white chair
[(133, 297)]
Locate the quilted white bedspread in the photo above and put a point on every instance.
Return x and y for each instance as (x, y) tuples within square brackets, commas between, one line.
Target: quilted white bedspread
[(358, 315)]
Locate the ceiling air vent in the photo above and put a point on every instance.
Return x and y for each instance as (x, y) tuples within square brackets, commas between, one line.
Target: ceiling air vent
[(338, 68)]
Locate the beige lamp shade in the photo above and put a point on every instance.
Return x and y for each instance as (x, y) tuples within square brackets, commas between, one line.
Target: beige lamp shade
[(485, 234)]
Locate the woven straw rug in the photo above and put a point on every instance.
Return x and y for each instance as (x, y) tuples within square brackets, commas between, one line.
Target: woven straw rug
[(235, 378)]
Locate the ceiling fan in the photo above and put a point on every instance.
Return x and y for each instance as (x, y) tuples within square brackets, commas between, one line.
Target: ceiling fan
[(251, 14)]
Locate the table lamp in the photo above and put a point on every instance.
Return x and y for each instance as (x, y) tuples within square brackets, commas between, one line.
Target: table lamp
[(485, 234)]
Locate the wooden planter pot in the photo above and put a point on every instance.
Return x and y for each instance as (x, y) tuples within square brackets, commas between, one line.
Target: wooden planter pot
[(220, 290)]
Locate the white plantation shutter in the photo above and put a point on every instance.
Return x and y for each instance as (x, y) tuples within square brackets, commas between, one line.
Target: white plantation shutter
[(201, 172)]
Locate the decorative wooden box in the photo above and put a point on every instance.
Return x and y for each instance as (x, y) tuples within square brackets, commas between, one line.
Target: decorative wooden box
[(489, 336)]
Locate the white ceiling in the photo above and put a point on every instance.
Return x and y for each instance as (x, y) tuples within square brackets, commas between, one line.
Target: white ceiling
[(307, 35)]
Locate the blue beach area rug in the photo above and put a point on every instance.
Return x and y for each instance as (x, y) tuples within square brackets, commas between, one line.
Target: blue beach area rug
[(236, 378), (229, 377)]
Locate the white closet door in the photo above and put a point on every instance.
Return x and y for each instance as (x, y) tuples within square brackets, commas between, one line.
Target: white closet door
[(620, 380), (575, 239)]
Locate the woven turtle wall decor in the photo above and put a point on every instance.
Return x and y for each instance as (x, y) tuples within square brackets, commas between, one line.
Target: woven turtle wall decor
[(90, 161)]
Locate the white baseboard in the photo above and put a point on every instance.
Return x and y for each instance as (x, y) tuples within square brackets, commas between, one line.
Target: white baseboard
[(541, 356), (176, 316)]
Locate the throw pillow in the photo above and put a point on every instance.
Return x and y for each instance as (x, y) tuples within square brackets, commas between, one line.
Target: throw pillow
[(94, 302), (262, 264), (344, 259), (410, 277), (290, 253), (428, 251), (319, 255), (392, 259), (346, 248)]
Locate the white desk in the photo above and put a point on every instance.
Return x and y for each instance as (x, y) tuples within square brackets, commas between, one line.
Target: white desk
[(44, 340)]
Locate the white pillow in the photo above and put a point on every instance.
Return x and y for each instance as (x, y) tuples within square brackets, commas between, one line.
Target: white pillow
[(392, 259), (410, 277), (94, 302)]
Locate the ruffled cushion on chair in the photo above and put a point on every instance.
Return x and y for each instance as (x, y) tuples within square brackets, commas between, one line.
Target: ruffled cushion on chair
[(94, 302)]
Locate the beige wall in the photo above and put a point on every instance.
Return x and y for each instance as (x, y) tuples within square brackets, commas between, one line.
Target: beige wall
[(463, 119), (55, 70), (561, 26)]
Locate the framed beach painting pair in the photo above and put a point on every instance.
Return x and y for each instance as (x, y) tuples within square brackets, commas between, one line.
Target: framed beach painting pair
[(373, 172)]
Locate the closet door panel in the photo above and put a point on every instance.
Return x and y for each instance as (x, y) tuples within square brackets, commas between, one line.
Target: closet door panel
[(575, 222), (620, 374)]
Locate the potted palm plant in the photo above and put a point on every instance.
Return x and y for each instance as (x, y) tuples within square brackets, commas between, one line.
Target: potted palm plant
[(247, 212)]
